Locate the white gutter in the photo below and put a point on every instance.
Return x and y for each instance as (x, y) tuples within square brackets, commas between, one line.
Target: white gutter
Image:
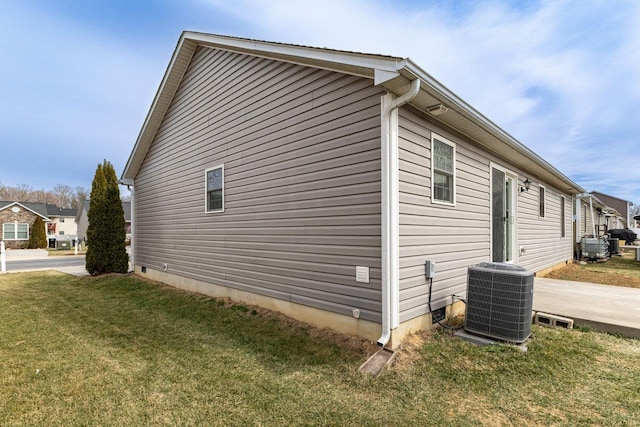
[(390, 209), (451, 100)]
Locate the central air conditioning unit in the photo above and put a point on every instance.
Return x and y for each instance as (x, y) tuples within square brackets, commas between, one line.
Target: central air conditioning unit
[(594, 248), (499, 301)]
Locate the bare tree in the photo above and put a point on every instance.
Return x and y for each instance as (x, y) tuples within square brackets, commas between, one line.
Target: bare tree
[(61, 195), (23, 193), (42, 196), (80, 194), (64, 195)]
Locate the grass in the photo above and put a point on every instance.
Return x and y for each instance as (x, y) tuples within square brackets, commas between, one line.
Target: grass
[(618, 271), (118, 350)]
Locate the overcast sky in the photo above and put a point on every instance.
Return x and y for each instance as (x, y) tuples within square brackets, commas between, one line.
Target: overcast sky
[(563, 77)]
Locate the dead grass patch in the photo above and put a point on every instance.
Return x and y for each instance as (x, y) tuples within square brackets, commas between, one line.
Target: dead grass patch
[(618, 271)]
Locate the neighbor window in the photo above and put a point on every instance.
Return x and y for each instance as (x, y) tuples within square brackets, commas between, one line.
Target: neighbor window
[(215, 189), (542, 201), (62, 232), (443, 166), (61, 219), (15, 231), (562, 224)]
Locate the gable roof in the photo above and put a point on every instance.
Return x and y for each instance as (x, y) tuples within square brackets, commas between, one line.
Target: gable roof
[(84, 206), (394, 74), (126, 207), (39, 209), (54, 210)]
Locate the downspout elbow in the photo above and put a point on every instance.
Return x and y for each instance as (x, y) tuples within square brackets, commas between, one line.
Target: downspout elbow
[(414, 88)]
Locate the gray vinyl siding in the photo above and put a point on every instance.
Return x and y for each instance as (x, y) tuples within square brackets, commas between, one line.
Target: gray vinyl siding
[(301, 154), (540, 237), (460, 236), (83, 224)]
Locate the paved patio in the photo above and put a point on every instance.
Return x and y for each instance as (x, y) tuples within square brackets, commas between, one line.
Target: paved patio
[(607, 308)]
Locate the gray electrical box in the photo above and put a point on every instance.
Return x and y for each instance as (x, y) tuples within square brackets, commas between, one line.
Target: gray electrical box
[(429, 269)]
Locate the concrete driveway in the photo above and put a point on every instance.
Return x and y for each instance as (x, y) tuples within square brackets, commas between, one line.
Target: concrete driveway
[(603, 307)]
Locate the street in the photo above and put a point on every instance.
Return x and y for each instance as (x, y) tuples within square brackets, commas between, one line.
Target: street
[(53, 262)]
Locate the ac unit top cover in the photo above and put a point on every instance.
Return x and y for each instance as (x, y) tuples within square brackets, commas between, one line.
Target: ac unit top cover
[(502, 267)]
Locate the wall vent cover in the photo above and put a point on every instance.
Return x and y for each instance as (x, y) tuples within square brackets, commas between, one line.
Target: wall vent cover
[(499, 301)]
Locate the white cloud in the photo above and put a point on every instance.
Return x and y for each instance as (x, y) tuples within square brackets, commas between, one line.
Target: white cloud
[(561, 76)]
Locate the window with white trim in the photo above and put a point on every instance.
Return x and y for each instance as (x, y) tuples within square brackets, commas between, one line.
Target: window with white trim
[(15, 231), (542, 199), (214, 184), (443, 167)]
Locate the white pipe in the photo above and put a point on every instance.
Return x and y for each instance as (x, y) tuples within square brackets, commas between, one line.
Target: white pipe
[(132, 239), (593, 224), (390, 209), (3, 263)]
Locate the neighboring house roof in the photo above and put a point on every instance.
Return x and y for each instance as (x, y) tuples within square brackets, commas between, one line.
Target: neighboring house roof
[(394, 74), (53, 210), (620, 205), (39, 209), (84, 206), (126, 207)]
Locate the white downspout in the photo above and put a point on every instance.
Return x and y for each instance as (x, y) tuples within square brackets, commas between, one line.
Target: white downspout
[(390, 209), (593, 224), (578, 228), (132, 240), (130, 183)]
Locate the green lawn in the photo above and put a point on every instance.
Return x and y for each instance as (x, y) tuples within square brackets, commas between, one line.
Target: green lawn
[(121, 351)]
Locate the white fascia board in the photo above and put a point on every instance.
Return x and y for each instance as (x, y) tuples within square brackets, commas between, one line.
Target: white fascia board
[(264, 48), (480, 120)]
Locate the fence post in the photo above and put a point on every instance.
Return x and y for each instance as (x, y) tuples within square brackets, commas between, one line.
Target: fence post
[(3, 263)]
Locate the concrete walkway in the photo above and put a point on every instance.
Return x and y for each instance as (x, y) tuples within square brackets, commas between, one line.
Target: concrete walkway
[(602, 307)]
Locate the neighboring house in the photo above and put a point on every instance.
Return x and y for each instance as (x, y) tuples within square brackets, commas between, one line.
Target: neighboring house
[(59, 222), (82, 219), (62, 225), (623, 207), (17, 221), (317, 183), (592, 218)]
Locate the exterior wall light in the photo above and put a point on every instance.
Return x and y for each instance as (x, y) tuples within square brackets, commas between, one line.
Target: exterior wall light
[(527, 185)]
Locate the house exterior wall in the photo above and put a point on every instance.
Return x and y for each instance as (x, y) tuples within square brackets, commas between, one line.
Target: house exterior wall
[(456, 237), (68, 227), (24, 216), (588, 219), (622, 206), (301, 155), (82, 224)]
